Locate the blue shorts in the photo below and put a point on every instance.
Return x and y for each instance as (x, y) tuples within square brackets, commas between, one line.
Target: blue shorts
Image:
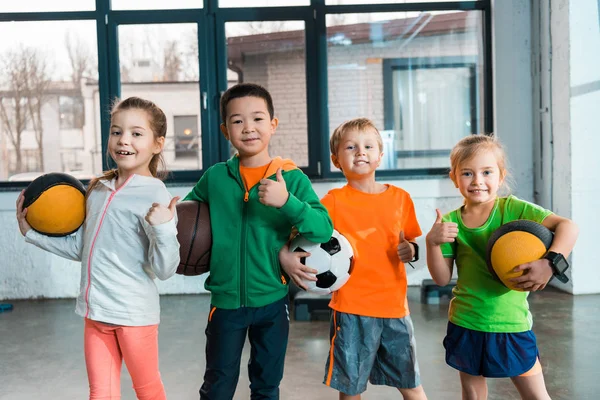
[(493, 355), (379, 350)]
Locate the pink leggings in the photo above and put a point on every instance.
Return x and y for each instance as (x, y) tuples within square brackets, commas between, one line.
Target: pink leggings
[(106, 346)]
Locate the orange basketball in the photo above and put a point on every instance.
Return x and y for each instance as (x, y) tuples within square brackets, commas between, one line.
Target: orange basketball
[(515, 243), (55, 204)]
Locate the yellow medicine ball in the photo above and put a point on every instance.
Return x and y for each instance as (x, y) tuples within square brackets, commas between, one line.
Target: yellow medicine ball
[(55, 204), (515, 243)]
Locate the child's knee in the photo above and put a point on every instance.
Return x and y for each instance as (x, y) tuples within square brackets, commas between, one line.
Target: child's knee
[(416, 393), (151, 390)]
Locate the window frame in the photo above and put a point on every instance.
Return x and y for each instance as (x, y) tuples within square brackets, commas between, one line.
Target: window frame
[(395, 64), (211, 20)]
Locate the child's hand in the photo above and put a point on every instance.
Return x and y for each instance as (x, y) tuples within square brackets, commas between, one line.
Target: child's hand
[(405, 249), (159, 214), (536, 275), (273, 193), (441, 232), (290, 262), (24, 226)]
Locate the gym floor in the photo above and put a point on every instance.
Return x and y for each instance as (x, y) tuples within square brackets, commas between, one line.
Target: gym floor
[(41, 351)]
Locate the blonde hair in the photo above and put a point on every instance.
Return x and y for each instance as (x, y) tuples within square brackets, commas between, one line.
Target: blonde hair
[(356, 124), (158, 124), (472, 145)]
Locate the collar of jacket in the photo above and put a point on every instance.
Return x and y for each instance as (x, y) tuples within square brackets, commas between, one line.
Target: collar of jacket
[(233, 165)]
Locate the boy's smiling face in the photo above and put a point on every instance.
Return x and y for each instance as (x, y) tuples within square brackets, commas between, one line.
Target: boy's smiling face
[(249, 128), (358, 153)]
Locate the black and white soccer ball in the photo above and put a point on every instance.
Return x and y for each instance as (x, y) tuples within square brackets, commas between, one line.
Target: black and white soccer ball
[(332, 260)]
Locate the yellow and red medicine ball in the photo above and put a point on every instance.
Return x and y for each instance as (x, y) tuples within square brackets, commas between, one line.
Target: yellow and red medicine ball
[(515, 243), (55, 204)]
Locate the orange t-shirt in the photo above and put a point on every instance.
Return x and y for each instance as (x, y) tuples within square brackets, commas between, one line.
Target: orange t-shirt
[(372, 224), (251, 176)]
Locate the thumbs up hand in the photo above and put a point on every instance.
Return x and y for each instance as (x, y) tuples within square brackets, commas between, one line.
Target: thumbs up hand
[(159, 214), (273, 193), (441, 232), (406, 251)]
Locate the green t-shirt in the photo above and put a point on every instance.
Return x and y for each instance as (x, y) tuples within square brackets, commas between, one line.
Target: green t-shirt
[(480, 302)]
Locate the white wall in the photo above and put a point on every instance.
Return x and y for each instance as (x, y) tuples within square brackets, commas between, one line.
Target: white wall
[(513, 89), (27, 272), (583, 104), (570, 88)]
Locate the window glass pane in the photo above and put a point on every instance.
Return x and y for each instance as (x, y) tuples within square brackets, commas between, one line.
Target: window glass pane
[(271, 54), (41, 5), (155, 5), (263, 3), (347, 2), (418, 76), (47, 84), (160, 63)]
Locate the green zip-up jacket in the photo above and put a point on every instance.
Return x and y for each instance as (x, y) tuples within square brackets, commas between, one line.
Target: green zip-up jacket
[(247, 235)]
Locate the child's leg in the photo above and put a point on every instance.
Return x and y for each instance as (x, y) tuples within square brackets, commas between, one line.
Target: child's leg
[(139, 346), (531, 384), (354, 342), (103, 360), (348, 397), (414, 393), (225, 336), (268, 336), (473, 387), (396, 362)]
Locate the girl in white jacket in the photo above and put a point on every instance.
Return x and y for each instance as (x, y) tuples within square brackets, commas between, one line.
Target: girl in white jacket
[(129, 237)]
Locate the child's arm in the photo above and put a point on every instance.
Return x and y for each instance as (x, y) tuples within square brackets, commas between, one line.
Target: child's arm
[(538, 273), (69, 247), (290, 262), (304, 210), (162, 233), (565, 234), (200, 191), (440, 268)]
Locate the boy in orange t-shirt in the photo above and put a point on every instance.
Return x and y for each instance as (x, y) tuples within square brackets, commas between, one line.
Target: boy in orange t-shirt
[(371, 330)]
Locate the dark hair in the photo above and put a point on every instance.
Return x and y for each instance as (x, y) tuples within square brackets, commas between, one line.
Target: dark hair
[(246, 90), (158, 124)]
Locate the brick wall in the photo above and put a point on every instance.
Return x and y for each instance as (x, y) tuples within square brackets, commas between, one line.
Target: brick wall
[(355, 83)]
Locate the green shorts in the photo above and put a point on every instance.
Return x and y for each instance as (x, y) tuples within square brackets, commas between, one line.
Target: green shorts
[(378, 350)]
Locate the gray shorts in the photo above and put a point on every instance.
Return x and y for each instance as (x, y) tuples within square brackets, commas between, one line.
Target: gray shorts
[(379, 350)]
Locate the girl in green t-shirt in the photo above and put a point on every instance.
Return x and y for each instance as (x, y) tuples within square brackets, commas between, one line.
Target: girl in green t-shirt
[(489, 329)]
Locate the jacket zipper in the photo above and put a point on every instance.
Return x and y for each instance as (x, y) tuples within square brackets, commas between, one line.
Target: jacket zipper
[(89, 263), (243, 257), (243, 299)]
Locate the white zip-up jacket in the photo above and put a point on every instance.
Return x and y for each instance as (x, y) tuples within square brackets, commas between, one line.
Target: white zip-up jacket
[(120, 252)]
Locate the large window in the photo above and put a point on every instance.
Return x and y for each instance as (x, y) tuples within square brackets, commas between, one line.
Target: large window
[(48, 73), (429, 106), (159, 62), (419, 69), (417, 75), (40, 6), (155, 4), (272, 54)]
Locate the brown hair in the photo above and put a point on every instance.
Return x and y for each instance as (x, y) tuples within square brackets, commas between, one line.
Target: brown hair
[(158, 124), (246, 90), (356, 124), (471, 145)]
